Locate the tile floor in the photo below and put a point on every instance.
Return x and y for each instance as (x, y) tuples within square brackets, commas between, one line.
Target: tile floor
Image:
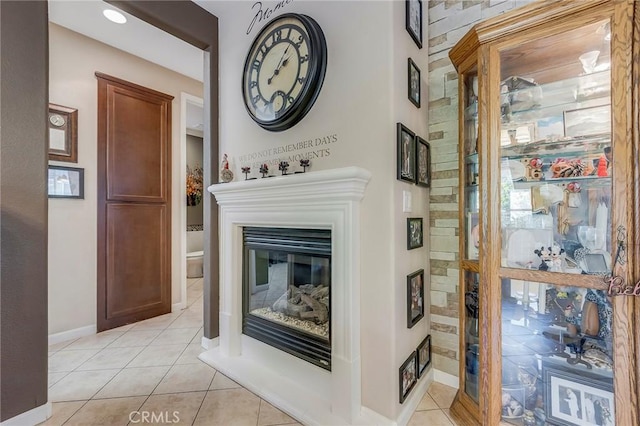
[(151, 368)]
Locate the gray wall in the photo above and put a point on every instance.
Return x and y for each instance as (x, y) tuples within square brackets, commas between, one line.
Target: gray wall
[(23, 206)]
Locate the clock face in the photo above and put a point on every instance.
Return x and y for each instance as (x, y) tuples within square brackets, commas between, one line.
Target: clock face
[(57, 120), (284, 71)]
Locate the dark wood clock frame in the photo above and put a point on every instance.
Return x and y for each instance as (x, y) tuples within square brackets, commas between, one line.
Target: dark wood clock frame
[(70, 151)]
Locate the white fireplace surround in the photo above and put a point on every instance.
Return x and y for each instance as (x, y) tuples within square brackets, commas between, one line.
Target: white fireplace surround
[(328, 199)]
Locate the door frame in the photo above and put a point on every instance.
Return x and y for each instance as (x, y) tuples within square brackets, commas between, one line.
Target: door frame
[(181, 208), (198, 27)]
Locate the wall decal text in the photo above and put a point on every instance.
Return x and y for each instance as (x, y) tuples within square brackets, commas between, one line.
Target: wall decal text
[(261, 13)]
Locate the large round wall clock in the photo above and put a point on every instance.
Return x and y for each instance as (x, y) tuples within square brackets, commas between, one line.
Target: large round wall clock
[(284, 71)]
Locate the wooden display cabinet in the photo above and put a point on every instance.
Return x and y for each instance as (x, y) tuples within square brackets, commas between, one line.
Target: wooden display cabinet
[(549, 171)]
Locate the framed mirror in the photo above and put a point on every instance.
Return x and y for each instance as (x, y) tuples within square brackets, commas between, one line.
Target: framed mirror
[(63, 133)]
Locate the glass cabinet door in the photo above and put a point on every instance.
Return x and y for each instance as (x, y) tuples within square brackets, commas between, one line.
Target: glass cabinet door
[(471, 166), (555, 152)]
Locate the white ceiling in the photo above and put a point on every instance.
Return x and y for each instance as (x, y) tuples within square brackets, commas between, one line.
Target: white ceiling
[(135, 37)]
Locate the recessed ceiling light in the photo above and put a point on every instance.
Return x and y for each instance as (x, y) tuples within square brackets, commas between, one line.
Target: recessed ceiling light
[(114, 16)]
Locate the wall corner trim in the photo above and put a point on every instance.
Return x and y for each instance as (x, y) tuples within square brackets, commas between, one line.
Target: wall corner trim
[(32, 417), (446, 378), (210, 343)]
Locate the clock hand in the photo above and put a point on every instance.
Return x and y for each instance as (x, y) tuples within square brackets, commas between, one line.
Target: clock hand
[(277, 70)]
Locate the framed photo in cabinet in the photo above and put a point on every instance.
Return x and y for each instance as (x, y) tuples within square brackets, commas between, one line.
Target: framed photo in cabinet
[(424, 355), (408, 376), (406, 154), (575, 398), (415, 297), (414, 20)]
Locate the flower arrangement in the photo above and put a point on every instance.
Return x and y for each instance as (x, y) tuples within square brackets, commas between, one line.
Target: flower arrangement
[(194, 185)]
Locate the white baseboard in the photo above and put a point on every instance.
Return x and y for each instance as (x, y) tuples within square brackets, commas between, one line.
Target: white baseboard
[(76, 333), (210, 343), (32, 417), (446, 379), (178, 306)]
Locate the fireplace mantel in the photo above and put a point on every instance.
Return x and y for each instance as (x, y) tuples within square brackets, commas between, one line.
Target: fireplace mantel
[(327, 199)]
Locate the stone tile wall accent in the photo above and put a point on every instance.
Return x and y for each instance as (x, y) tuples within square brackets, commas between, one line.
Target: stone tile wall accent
[(449, 20)]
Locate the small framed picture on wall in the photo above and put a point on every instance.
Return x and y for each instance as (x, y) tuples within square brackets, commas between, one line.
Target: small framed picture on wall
[(424, 355), (423, 162), (413, 82), (415, 297), (406, 170), (414, 233), (408, 376), (413, 21)]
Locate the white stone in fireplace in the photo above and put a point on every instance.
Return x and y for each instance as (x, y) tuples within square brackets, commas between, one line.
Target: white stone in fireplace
[(328, 199)]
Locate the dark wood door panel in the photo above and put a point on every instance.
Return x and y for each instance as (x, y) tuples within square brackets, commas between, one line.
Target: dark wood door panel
[(136, 259), (138, 151)]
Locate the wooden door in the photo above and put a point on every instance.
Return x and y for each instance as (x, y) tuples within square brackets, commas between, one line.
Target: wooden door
[(134, 202)]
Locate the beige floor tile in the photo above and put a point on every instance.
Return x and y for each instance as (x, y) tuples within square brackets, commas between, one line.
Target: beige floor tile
[(97, 341), (54, 378), (431, 418), (196, 285), (135, 338), (427, 403), (188, 319), (177, 408), (174, 336), (110, 358), (190, 355), (198, 337), (133, 382), (79, 385), (124, 327), (186, 378), (270, 415), (157, 323), (229, 407), (220, 381), (112, 412), (61, 411), (152, 356), (192, 281), (57, 346), (69, 360), (442, 394)]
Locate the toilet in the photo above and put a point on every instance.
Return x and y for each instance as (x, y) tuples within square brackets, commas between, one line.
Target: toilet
[(194, 264), (195, 253)]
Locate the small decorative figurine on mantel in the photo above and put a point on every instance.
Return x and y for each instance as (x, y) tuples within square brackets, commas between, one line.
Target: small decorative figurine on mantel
[(264, 169), (246, 170), (226, 175), (304, 164), (283, 167)]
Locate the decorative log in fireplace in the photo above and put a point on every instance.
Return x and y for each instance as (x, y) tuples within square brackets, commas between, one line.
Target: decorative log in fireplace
[(287, 290)]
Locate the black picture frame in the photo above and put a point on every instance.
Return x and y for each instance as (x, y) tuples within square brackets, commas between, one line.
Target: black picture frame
[(584, 386), (413, 20), (415, 297), (406, 170), (424, 355), (415, 233), (65, 182), (413, 82), (408, 376), (423, 162)]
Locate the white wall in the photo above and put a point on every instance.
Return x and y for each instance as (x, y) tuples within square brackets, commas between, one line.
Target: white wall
[(74, 59), (363, 96)]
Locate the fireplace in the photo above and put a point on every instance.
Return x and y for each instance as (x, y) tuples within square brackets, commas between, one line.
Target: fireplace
[(287, 290), (325, 204)]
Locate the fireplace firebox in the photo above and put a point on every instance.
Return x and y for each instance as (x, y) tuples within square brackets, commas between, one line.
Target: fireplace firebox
[(287, 290)]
